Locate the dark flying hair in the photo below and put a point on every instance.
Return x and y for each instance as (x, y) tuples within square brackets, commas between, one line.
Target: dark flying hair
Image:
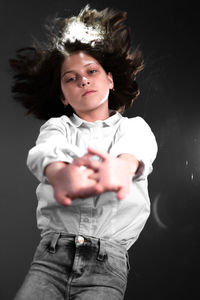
[(36, 79)]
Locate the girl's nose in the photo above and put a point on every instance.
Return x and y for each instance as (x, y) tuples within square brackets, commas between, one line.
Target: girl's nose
[(84, 81)]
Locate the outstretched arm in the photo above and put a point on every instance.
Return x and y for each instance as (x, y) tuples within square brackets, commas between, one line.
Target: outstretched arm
[(85, 177)]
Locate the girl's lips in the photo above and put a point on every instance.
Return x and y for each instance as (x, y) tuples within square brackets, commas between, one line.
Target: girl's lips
[(88, 92)]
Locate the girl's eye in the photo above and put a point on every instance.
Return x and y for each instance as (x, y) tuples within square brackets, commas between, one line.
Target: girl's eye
[(92, 71), (70, 79)]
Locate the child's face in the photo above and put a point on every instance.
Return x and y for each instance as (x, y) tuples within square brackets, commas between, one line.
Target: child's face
[(85, 84)]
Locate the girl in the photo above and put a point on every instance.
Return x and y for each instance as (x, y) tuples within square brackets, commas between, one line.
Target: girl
[(92, 163)]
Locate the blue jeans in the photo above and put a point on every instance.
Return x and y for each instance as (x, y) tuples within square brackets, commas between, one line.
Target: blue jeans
[(76, 267)]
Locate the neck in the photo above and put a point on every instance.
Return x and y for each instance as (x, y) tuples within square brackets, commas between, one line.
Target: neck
[(95, 115)]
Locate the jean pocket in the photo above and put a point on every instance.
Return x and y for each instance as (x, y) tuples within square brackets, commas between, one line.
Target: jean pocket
[(42, 249), (117, 265)]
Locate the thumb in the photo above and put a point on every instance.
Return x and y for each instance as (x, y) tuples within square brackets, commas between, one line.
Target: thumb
[(122, 193), (62, 199)]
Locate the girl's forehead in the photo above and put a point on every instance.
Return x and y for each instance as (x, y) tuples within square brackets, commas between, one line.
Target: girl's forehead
[(78, 60)]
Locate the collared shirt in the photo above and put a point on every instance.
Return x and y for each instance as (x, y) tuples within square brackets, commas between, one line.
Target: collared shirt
[(102, 216)]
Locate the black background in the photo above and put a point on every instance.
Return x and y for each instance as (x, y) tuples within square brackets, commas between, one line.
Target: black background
[(165, 260)]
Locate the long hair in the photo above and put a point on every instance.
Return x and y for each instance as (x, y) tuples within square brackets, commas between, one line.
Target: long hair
[(36, 79)]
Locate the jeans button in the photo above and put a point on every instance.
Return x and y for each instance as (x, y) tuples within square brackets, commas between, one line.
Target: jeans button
[(80, 239)]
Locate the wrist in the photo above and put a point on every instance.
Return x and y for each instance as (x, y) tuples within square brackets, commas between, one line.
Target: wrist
[(132, 162), (52, 169)]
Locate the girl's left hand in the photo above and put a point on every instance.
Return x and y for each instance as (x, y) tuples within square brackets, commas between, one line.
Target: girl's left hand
[(111, 173)]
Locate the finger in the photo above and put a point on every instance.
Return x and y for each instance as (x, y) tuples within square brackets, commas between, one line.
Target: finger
[(99, 188), (67, 201), (63, 199), (94, 176), (101, 154), (81, 160), (92, 164), (91, 191), (88, 172), (122, 193)]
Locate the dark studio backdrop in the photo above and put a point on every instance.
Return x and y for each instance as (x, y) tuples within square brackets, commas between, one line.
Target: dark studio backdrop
[(165, 261)]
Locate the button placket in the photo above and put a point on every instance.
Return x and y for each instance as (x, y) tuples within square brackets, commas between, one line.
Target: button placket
[(85, 221)]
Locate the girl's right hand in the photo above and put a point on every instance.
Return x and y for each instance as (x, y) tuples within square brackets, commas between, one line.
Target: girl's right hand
[(70, 181)]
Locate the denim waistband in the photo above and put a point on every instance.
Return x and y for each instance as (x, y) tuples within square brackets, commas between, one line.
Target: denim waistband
[(83, 240)]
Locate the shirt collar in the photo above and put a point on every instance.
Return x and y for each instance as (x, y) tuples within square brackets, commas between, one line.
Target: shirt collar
[(77, 121)]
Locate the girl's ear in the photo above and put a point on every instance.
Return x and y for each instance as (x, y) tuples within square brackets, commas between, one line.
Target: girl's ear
[(111, 82)]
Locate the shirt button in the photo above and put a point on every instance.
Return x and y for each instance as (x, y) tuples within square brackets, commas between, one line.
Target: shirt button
[(81, 239), (86, 220)]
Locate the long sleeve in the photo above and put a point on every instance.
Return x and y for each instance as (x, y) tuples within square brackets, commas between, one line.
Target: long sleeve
[(136, 137), (53, 144)]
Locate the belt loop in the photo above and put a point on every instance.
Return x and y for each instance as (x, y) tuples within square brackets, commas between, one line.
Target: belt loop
[(54, 242), (102, 250)]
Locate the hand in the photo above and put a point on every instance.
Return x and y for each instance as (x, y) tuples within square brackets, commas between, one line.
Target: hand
[(70, 181), (111, 173)]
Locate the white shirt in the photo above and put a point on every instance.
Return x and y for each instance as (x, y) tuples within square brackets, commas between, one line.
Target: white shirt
[(102, 216)]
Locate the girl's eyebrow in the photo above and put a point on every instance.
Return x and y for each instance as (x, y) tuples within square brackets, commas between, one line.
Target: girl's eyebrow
[(74, 71)]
